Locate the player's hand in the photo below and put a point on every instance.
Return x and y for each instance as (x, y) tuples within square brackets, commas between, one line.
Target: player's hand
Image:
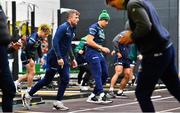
[(61, 62), (16, 45), (113, 52), (74, 64), (81, 52), (140, 57), (105, 50), (119, 54)]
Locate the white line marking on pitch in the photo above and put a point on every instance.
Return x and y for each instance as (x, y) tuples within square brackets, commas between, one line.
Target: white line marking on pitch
[(157, 96), (152, 97), (169, 110), (118, 105), (103, 107)]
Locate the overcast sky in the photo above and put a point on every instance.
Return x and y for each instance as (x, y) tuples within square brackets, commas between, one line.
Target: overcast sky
[(43, 13)]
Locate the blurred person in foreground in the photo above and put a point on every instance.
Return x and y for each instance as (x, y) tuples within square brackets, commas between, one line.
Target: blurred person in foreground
[(6, 81), (153, 42)]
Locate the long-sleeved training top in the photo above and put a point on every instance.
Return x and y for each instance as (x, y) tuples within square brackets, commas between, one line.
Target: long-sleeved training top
[(62, 40), (33, 45), (148, 33), (123, 49)]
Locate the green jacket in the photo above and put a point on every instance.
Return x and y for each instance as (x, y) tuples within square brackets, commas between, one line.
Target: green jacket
[(80, 46)]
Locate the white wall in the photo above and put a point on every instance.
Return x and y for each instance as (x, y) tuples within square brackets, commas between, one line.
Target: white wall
[(43, 14)]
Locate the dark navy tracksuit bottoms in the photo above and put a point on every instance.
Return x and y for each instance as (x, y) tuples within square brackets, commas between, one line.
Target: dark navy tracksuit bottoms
[(52, 69), (6, 81), (98, 68), (155, 68)]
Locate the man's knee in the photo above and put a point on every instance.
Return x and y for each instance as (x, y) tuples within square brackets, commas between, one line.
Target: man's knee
[(127, 77)]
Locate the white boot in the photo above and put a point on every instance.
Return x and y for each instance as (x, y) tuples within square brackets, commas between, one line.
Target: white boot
[(92, 98), (17, 84), (58, 105), (103, 99), (26, 100)]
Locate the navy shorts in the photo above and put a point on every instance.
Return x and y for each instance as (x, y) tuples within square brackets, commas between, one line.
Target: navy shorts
[(125, 62), (24, 58)]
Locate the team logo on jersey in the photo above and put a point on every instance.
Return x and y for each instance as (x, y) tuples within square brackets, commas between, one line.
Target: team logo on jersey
[(101, 34), (37, 43)]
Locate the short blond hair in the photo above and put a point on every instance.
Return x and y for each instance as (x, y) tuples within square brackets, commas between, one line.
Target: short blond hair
[(44, 28), (71, 12)]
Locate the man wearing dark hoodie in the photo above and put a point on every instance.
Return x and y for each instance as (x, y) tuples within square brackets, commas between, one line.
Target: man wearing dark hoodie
[(6, 81), (153, 42)]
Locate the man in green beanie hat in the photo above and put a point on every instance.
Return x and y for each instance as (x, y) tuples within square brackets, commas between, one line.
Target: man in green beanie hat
[(104, 15), (95, 58)]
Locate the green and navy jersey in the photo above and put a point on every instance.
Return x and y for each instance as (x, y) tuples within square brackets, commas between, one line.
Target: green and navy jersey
[(33, 46), (98, 33)]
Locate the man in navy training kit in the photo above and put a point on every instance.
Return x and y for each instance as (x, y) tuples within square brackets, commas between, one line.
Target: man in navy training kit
[(95, 58), (121, 63), (153, 42), (31, 47), (57, 60)]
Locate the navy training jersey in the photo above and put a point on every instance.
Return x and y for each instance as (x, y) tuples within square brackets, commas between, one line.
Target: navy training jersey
[(124, 50), (33, 45), (62, 39), (98, 33)]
